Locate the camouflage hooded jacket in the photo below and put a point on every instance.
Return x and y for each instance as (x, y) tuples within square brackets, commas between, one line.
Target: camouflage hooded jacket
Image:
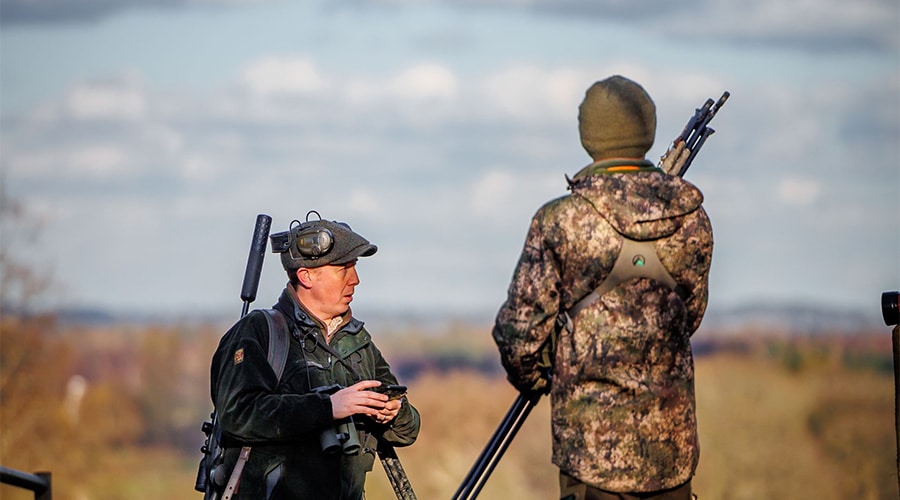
[(623, 381)]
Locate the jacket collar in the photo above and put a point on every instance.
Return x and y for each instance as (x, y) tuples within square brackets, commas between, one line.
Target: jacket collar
[(616, 166), (293, 308)]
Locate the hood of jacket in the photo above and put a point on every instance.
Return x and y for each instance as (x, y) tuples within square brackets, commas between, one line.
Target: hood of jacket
[(636, 198)]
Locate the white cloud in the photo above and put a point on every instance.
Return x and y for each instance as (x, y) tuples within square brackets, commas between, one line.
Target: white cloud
[(502, 196), (275, 75), (526, 92), (799, 191), (422, 93), (197, 167), (495, 148), (90, 161), (809, 22), (363, 202), (425, 82), (165, 137), (120, 99), (678, 88), (815, 25), (97, 161), (29, 164), (492, 192)]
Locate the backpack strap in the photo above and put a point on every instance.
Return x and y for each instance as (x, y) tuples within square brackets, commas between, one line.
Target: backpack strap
[(279, 340), (279, 344)]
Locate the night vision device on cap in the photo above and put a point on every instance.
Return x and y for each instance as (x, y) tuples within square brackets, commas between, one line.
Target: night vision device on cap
[(319, 243)]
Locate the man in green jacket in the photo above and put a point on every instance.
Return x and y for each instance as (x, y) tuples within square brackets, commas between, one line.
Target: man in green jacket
[(288, 422), (622, 394)]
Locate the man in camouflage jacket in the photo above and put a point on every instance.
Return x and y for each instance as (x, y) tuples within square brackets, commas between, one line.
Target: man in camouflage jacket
[(285, 420), (622, 394)]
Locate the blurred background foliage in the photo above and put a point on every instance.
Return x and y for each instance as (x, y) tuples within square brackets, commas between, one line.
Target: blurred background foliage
[(114, 411)]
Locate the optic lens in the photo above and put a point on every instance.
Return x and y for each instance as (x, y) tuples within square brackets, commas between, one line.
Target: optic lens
[(890, 308)]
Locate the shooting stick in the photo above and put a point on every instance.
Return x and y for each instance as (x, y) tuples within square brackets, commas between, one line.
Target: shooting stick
[(503, 436)]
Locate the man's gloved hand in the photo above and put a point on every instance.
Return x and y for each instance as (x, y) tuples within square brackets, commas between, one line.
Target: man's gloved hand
[(534, 383), (542, 385), (674, 158)]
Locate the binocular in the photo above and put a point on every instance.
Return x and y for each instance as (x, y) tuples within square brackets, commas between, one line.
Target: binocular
[(341, 437)]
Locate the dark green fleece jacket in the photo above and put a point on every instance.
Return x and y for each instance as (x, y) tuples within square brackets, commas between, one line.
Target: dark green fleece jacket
[(283, 420)]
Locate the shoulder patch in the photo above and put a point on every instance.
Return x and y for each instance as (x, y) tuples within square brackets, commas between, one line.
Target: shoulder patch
[(239, 356)]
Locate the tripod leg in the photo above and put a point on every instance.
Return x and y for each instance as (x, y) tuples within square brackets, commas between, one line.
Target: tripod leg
[(496, 446)]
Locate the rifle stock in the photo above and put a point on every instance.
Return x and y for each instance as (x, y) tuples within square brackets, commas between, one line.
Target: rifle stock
[(697, 131)]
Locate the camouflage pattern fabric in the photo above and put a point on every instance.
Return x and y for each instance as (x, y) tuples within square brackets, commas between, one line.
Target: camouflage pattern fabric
[(622, 397)]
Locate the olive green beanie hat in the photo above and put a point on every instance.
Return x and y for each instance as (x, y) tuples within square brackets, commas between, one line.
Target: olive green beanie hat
[(617, 119)]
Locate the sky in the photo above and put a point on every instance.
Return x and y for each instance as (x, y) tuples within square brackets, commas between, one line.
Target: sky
[(145, 137)]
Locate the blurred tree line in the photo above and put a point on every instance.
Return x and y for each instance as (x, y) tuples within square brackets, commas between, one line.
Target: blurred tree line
[(81, 401)]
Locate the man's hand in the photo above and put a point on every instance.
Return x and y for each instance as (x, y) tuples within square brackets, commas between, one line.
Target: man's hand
[(390, 411), (356, 400)]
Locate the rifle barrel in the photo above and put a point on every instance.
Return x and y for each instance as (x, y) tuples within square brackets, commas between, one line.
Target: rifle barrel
[(721, 101), (700, 119), (708, 131), (255, 261)]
